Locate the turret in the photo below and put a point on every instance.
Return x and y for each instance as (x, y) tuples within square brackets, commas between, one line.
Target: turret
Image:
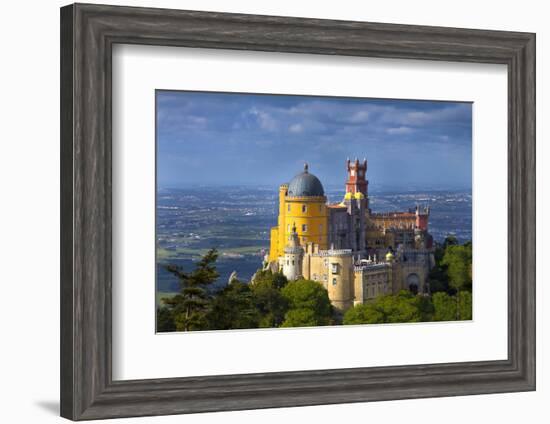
[(356, 202), (293, 255), (422, 217), (357, 172), (340, 278)]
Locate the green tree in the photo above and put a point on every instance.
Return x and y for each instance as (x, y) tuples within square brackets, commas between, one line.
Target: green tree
[(301, 317), (458, 260), (444, 307), (270, 302), (453, 267), (276, 280), (438, 278), (363, 314), (465, 305), (165, 320), (233, 307), (306, 295), (404, 307), (450, 240), (189, 307), (425, 307), (437, 284), (452, 308)]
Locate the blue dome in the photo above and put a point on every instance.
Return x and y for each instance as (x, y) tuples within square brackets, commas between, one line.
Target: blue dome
[(305, 184)]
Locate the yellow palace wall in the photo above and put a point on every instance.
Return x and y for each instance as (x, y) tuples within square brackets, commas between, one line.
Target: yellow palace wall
[(309, 214)]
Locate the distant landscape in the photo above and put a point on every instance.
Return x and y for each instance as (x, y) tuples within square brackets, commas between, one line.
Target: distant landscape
[(236, 221)]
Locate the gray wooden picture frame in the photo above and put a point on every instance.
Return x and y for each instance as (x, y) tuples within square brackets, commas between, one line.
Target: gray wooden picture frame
[(88, 33)]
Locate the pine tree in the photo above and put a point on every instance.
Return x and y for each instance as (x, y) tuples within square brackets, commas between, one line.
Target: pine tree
[(191, 304)]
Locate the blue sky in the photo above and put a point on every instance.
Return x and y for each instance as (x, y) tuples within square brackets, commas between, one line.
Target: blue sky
[(224, 138)]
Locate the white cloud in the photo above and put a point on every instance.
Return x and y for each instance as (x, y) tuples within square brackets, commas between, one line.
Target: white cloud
[(360, 117), (296, 128), (451, 113), (265, 120), (197, 120), (399, 130)]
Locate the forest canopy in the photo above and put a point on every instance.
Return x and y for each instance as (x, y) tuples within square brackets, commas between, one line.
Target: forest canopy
[(270, 300)]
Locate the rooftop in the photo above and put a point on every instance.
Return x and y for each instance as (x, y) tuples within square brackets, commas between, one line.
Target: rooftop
[(305, 185)]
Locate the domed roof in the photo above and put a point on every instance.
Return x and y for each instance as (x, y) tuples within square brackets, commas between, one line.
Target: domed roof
[(305, 184)]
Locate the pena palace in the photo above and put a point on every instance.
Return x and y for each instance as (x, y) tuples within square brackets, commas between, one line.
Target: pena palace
[(355, 253)]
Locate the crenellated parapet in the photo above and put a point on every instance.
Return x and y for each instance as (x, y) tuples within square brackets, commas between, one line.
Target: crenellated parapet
[(333, 252)]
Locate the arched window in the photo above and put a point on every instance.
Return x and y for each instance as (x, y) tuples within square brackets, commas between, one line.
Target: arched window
[(413, 282)]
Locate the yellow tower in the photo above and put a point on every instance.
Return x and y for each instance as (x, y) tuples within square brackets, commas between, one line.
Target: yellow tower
[(278, 237), (340, 278), (302, 203)]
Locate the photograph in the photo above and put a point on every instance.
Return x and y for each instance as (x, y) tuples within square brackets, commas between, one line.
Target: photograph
[(279, 210)]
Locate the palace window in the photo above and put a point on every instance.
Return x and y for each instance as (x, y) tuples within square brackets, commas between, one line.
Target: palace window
[(320, 208), (320, 229), (288, 228), (334, 281), (334, 269), (288, 207), (293, 262), (315, 277), (304, 208), (304, 228)]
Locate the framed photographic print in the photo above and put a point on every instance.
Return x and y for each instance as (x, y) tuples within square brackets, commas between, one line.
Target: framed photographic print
[(269, 211)]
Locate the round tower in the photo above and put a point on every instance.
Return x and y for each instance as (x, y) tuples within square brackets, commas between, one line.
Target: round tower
[(305, 207), (293, 256), (340, 278)]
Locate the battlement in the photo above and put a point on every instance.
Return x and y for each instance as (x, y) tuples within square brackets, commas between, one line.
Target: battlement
[(357, 182), (334, 252), (371, 267), (307, 199), (395, 215)]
